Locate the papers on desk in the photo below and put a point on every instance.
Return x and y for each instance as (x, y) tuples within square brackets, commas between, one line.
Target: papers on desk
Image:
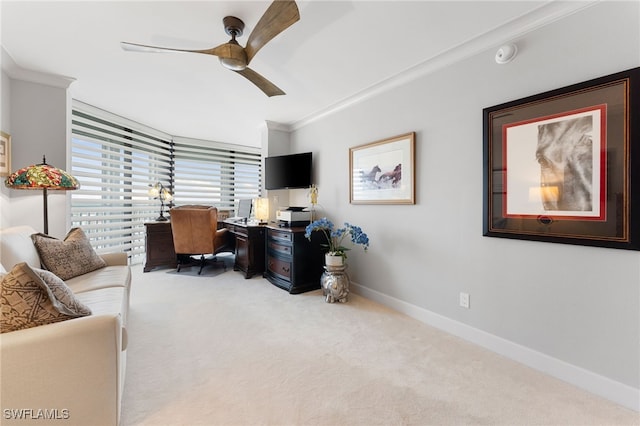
[(243, 220), (234, 219)]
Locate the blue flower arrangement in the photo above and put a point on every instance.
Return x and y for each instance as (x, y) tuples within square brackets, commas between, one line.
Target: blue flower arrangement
[(335, 237)]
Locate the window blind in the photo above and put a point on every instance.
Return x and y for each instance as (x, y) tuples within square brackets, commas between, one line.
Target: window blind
[(115, 161), (215, 174)]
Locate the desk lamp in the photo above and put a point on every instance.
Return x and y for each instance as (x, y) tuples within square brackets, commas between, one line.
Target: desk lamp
[(158, 190), (262, 210)]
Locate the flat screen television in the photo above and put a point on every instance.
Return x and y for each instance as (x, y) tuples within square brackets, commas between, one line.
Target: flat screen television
[(288, 171)]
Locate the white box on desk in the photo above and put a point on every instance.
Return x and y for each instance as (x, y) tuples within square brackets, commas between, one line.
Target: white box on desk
[(293, 216)]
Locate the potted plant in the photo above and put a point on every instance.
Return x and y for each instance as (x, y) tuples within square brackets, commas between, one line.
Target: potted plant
[(336, 251)]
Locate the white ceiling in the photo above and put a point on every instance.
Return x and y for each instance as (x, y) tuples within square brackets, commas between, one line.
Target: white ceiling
[(338, 51)]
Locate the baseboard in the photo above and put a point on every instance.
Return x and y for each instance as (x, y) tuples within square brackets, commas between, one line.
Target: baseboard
[(617, 392)]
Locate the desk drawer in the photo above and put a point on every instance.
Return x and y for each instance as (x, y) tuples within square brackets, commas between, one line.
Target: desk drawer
[(280, 235), (280, 248), (279, 267), (242, 231), (238, 230)]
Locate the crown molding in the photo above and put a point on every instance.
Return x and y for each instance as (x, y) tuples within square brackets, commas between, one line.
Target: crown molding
[(514, 29), (15, 72), (273, 125)]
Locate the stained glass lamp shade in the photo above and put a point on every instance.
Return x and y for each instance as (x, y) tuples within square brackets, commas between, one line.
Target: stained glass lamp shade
[(45, 177)]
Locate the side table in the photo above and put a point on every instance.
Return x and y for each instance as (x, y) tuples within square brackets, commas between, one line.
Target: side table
[(159, 246)]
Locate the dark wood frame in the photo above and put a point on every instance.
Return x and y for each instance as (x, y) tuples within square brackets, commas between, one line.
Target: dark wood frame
[(611, 223), (398, 151)]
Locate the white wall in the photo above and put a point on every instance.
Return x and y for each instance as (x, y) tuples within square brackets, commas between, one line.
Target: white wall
[(572, 306), (5, 120), (275, 140), (39, 126)]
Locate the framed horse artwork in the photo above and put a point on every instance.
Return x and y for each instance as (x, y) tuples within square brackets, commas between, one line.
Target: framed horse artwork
[(564, 166), (383, 172)]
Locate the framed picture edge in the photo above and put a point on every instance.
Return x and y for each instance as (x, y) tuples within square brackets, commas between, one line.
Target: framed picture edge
[(6, 139), (632, 147), (411, 199)]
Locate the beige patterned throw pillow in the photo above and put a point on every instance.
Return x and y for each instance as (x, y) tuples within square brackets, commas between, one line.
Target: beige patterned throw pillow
[(30, 297), (69, 258)]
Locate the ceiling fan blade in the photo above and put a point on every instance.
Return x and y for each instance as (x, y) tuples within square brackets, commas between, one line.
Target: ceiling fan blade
[(280, 15), (135, 47), (263, 84)]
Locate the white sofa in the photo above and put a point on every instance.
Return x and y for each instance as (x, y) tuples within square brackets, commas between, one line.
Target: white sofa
[(70, 372)]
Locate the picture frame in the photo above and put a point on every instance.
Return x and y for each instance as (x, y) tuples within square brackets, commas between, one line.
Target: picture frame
[(560, 166), (5, 154), (383, 172)]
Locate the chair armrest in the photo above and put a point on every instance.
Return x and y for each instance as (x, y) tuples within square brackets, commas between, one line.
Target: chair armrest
[(115, 259)]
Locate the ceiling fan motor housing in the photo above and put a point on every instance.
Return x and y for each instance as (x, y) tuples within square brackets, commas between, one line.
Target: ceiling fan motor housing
[(233, 56), (233, 26)]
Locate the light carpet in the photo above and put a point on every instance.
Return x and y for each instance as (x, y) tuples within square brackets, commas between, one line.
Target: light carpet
[(219, 349)]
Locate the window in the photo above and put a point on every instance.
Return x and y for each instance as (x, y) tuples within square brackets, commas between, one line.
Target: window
[(117, 160), (214, 174)]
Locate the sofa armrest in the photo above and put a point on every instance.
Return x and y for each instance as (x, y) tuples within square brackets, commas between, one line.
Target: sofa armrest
[(71, 365), (115, 259)]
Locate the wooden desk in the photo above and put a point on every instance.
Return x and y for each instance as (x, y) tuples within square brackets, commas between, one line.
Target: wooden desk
[(249, 242), (294, 263), (159, 246)]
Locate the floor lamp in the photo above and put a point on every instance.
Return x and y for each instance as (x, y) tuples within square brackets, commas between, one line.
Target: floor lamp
[(45, 177)]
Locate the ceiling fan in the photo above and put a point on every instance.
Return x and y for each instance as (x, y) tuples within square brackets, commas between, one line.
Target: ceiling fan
[(280, 15)]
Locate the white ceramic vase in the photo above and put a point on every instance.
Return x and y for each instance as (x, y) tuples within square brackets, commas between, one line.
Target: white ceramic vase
[(331, 260)]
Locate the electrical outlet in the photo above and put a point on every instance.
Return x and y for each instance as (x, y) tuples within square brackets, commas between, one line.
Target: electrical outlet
[(464, 300)]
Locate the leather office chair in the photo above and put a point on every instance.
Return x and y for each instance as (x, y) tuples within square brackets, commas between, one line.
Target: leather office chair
[(195, 232)]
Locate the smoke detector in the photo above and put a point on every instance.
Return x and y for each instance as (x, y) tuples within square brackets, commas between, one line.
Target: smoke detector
[(506, 53)]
